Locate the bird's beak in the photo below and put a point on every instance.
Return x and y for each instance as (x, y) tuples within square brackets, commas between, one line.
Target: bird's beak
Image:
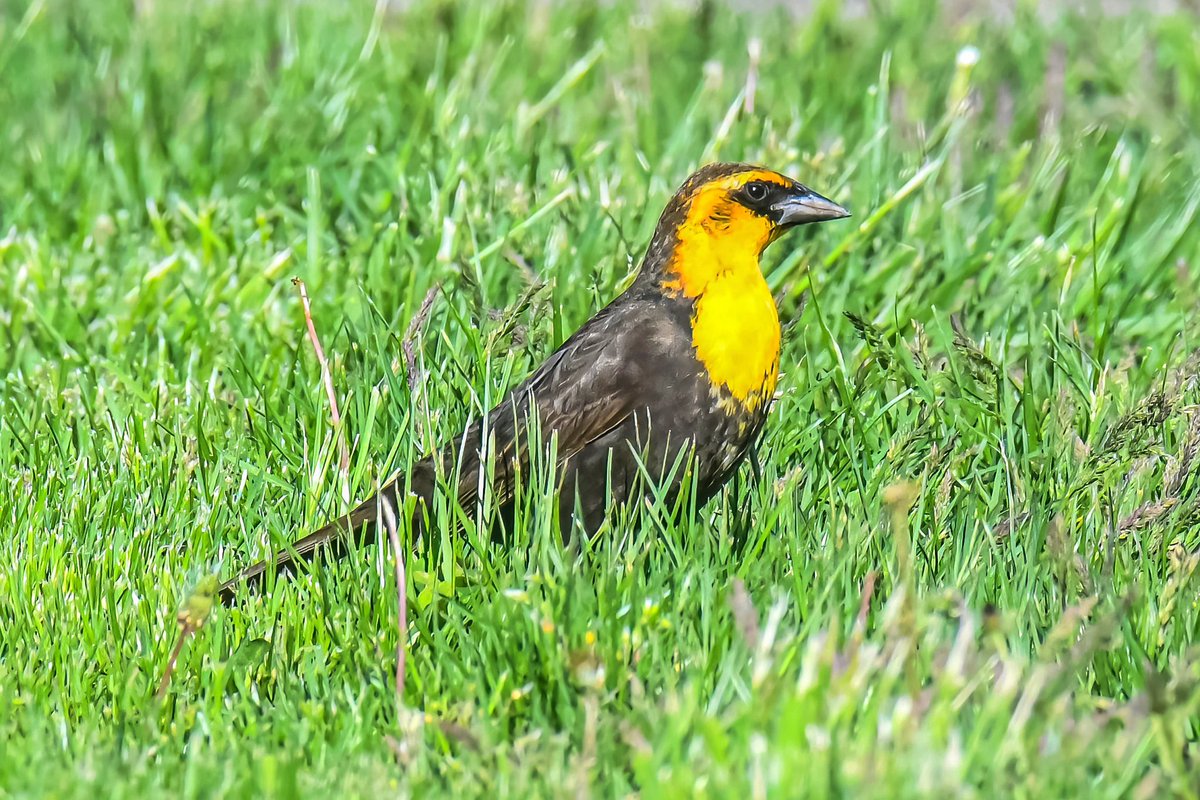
[(806, 206)]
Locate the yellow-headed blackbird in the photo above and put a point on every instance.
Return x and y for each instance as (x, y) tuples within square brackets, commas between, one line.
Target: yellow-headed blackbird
[(684, 362)]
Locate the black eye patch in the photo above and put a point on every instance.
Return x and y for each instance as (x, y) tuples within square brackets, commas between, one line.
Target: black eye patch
[(759, 196)]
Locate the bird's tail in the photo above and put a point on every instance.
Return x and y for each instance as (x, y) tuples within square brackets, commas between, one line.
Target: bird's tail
[(334, 538)]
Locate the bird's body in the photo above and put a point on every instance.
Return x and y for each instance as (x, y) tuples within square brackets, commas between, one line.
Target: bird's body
[(670, 382)]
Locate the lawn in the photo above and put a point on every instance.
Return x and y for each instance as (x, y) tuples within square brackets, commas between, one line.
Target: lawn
[(965, 565)]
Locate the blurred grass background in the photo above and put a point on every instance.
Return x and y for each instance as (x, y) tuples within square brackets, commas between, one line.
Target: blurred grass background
[(966, 568)]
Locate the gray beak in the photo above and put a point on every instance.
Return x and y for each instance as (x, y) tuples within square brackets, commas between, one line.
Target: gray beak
[(806, 206)]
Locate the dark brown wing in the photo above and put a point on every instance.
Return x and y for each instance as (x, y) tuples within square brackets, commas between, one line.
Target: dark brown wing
[(585, 389)]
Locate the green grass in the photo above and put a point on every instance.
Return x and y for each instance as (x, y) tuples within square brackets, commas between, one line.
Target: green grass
[(1002, 337)]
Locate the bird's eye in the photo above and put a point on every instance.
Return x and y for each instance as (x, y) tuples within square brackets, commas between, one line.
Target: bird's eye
[(756, 191)]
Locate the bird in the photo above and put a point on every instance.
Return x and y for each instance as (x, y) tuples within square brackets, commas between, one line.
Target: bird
[(681, 366)]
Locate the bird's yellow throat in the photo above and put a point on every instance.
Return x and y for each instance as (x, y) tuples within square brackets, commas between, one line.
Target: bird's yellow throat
[(735, 327)]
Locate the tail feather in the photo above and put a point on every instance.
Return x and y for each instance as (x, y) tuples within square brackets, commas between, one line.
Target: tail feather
[(334, 538)]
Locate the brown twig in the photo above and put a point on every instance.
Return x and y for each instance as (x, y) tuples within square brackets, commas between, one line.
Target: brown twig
[(420, 410), (327, 379), (184, 632), (409, 344), (864, 605), (389, 521), (191, 618)]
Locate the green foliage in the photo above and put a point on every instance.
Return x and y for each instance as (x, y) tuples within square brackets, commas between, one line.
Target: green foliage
[(966, 565)]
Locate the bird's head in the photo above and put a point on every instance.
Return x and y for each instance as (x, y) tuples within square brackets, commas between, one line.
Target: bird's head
[(730, 212)]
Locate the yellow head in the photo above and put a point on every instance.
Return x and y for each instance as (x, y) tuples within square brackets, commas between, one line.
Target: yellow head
[(707, 248), (723, 217)]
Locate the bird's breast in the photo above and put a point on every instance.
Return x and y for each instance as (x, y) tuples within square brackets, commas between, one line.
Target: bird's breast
[(735, 331)]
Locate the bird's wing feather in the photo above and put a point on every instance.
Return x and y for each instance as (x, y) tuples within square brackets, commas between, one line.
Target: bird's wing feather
[(586, 388)]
